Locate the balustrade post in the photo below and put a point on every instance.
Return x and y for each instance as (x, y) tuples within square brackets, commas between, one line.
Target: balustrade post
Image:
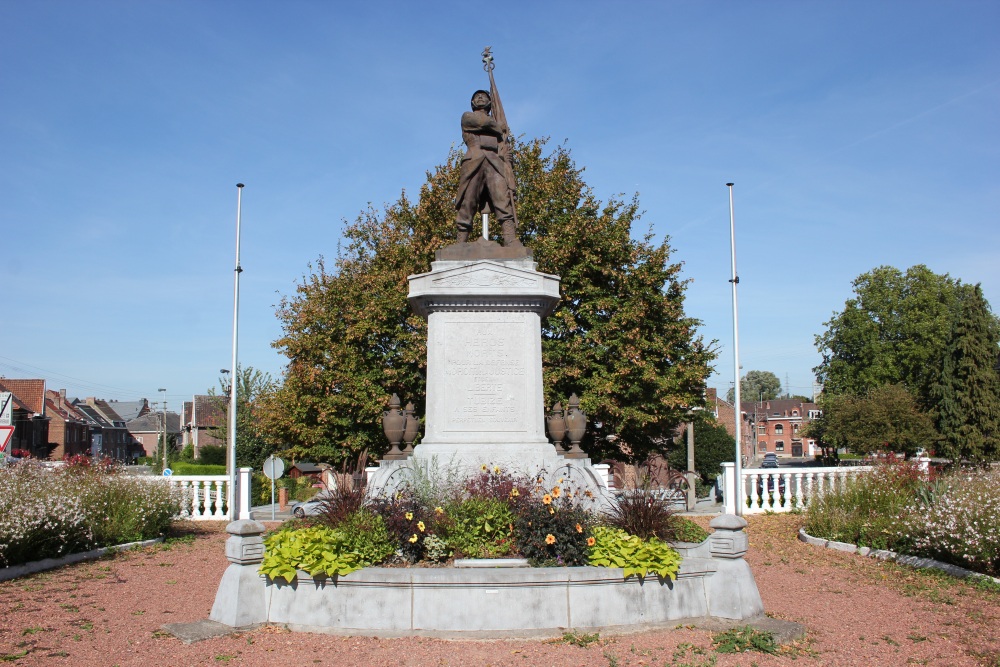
[(244, 495), (729, 487)]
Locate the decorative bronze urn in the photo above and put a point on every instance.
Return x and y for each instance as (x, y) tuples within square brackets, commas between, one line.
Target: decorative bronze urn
[(411, 429), (555, 424), (576, 428), (393, 423)]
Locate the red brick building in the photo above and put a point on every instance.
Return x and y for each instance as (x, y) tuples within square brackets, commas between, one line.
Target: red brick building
[(777, 425), (69, 429), (31, 425)]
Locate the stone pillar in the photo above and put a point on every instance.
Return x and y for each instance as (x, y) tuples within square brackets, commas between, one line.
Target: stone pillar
[(243, 488), (729, 487), (240, 600), (732, 591)]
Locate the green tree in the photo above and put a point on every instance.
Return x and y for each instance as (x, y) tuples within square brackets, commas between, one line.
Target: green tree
[(967, 404), (892, 331), (886, 419), (757, 386), (712, 447), (253, 444), (619, 337)]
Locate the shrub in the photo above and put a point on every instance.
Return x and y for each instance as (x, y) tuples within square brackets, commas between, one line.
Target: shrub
[(478, 527), (962, 524), (869, 509), (365, 534), (642, 512), (212, 455), (613, 547), (553, 532), (685, 530), (187, 468), (50, 513)]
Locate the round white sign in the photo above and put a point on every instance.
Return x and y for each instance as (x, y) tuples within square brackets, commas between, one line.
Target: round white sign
[(274, 467)]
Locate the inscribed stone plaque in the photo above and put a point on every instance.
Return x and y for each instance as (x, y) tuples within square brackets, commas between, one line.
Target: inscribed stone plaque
[(486, 372)]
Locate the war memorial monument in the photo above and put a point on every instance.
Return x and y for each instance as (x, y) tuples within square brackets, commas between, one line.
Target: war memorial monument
[(485, 303)]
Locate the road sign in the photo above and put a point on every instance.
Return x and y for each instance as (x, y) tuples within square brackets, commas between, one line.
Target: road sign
[(6, 433), (274, 467), (6, 408), (167, 472)]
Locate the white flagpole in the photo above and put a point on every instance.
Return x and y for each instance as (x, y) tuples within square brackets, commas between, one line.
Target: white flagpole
[(735, 280), (233, 473)]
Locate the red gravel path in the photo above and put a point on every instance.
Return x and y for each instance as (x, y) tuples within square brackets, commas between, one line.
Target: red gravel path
[(858, 612)]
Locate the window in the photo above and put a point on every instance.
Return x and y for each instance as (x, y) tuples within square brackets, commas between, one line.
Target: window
[(795, 413), (762, 429), (779, 446), (779, 429), (795, 427), (762, 445), (815, 414)]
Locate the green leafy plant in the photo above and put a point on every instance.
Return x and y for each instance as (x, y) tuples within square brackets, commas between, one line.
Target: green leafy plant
[(744, 640), (613, 547), (479, 527), (581, 639), (685, 530), (317, 550)]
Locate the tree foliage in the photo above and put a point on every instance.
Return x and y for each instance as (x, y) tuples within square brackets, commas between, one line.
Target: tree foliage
[(892, 331), (931, 334), (886, 419), (619, 337), (712, 447), (253, 444), (757, 386), (966, 400)]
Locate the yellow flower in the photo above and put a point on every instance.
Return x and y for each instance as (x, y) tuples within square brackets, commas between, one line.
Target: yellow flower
[(552, 510), (556, 491), (591, 541), (550, 539), (496, 469), (438, 510), (514, 493), (579, 528), (483, 467), (420, 525), (588, 493), (547, 499), (409, 516), (414, 538), (560, 481)]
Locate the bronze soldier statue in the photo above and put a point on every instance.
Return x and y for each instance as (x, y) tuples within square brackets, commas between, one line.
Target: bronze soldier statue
[(486, 174)]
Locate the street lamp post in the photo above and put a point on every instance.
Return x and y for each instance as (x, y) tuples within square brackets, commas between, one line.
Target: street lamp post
[(164, 413)]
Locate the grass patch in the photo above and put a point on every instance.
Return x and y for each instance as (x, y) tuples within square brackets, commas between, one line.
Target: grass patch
[(745, 640), (580, 639)]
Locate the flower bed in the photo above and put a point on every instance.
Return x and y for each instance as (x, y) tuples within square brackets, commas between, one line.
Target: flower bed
[(46, 513), (954, 518), (491, 515)]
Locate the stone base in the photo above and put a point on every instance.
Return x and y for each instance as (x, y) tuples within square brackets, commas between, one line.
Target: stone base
[(482, 249)]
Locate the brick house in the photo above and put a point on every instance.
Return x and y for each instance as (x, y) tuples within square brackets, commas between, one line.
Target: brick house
[(69, 429), (201, 418), (725, 414), (777, 425), (108, 434), (147, 429), (31, 425)]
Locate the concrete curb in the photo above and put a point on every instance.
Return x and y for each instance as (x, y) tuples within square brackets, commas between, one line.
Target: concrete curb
[(902, 559), (15, 571)]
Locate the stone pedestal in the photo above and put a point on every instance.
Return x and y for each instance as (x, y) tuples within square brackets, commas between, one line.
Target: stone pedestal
[(484, 362)]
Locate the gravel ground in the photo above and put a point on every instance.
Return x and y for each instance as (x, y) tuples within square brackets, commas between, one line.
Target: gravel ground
[(858, 611)]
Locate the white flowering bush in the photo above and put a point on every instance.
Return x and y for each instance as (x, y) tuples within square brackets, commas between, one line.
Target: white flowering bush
[(47, 513), (961, 523)]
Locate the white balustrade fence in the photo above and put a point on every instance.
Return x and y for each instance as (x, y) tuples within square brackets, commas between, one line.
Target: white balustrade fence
[(203, 497), (782, 489)]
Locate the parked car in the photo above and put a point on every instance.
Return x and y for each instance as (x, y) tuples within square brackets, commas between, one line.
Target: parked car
[(311, 507), (770, 461)]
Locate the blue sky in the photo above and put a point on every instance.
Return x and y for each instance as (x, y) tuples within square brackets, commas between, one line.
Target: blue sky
[(857, 133)]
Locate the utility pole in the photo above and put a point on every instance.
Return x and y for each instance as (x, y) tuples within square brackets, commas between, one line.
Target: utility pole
[(735, 280), (235, 368), (164, 413)]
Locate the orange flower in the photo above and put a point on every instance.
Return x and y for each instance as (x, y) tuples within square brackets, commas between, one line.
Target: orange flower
[(547, 499), (591, 541), (579, 528), (550, 539), (556, 491)]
